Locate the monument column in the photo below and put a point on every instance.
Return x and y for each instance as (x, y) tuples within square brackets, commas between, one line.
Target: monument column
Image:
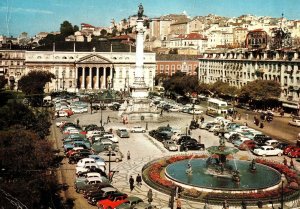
[(76, 77), (83, 78), (104, 78), (139, 71)]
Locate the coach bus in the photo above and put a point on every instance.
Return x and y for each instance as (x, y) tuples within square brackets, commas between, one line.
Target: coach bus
[(216, 107)]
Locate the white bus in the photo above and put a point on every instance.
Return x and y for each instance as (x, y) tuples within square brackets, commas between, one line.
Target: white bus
[(216, 107)]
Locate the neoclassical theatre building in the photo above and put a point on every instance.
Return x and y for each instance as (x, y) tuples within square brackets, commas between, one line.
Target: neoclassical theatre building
[(239, 67), (78, 68)]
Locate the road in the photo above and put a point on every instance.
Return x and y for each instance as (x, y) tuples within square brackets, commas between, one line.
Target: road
[(143, 149)]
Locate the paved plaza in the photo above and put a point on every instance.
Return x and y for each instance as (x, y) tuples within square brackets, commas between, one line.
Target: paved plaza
[(143, 149)]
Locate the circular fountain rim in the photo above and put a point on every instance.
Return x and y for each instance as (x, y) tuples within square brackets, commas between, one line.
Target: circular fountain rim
[(216, 189)]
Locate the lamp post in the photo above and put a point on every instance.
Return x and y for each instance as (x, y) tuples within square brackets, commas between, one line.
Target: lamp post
[(193, 109), (101, 107), (109, 154), (63, 79), (56, 75)]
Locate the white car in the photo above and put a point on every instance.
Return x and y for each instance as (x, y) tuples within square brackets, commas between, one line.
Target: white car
[(87, 167), (176, 136), (61, 113), (138, 129), (195, 111), (59, 123), (267, 151), (294, 122), (272, 142), (174, 109)]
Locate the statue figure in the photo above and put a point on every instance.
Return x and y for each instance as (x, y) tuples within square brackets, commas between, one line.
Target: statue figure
[(140, 11), (252, 165), (189, 169)]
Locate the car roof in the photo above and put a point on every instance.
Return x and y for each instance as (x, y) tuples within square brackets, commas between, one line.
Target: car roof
[(266, 146), (95, 179), (133, 198), (109, 189)]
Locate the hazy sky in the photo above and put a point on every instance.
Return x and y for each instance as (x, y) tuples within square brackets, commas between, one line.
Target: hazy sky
[(34, 16)]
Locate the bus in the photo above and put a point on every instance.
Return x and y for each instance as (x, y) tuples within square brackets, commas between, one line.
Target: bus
[(216, 107)]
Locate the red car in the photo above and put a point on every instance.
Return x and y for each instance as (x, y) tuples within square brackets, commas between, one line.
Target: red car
[(247, 145), (288, 149), (112, 201), (294, 152)]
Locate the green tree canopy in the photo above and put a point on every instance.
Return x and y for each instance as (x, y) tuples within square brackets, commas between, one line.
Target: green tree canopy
[(223, 88), (261, 90), (75, 28), (3, 82), (33, 85), (66, 28), (181, 83)]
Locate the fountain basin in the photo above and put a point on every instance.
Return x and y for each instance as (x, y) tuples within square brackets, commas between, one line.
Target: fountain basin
[(263, 179)]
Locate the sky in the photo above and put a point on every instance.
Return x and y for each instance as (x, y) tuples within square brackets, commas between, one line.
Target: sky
[(34, 16)]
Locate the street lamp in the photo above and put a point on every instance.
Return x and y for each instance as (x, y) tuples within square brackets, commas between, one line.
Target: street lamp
[(56, 75), (101, 107), (193, 109), (109, 154)]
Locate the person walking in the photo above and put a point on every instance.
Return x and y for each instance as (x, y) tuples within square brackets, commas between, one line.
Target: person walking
[(131, 183), (128, 155), (285, 162), (150, 196), (292, 164), (139, 180), (199, 139)]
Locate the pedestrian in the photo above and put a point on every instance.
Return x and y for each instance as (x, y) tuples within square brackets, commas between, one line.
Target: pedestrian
[(245, 123), (150, 196), (138, 180), (292, 164), (108, 119), (285, 161), (189, 132), (178, 203), (247, 116), (199, 139), (77, 122), (239, 116), (261, 125), (128, 155), (131, 183)]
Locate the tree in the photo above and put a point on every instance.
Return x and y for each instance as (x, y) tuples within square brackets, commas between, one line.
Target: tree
[(103, 32), (3, 82), (261, 90), (33, 85), (75, 28), (66, 29), (50, 39)]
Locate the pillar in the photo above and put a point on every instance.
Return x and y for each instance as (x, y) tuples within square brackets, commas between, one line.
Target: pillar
[(83, 78), (91, 78), (104, 78), (97, 79), (76, 78)]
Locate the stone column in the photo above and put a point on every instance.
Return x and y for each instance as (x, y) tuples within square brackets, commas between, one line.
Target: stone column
[(104, 78), (97, 79), (91, 78), (83, 78), (76, 78)]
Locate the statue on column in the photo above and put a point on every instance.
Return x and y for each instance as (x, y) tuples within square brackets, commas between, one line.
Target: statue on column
[(140, 11)]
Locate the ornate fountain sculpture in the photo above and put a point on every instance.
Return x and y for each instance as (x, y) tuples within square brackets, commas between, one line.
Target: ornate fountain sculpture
[(216, 163)]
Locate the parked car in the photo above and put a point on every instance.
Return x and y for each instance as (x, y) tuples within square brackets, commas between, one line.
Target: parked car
[(261, 139), (288, 149), (184, 138), (111, 156), (95, 188), (191, 145), (138, 129), (104, 193), (295, 153), (272, 142), (267, 151), (170, 145), (194, 125), (122, 133), (130, 203), (88, 167), (176, 136), (282, 145), (163, 135), (294, 122), (247, 145), (112, 201), (79, 187)]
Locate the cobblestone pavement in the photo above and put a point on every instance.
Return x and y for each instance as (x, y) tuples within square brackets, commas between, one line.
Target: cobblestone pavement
[(143, 149)]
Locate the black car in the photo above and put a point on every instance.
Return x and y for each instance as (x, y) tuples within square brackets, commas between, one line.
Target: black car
[(261, 139), (268, 116), (282, 145), (101, 195), (183, 139), (161, 136), (192, 145), (153, 133)]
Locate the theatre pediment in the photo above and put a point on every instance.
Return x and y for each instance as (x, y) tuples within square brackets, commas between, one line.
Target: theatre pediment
[(93, 58)]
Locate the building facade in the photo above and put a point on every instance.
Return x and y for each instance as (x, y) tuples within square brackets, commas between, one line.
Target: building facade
[(240, 67), (169, 64), (78, 71)]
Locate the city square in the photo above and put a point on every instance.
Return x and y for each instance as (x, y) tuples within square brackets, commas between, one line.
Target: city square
[(161, 112)]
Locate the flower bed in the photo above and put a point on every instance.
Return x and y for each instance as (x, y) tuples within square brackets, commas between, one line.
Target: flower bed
[(155, 172)]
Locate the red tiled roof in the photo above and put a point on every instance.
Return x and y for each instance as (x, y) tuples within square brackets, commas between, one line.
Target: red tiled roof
[(194, 36), (87, 25)]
